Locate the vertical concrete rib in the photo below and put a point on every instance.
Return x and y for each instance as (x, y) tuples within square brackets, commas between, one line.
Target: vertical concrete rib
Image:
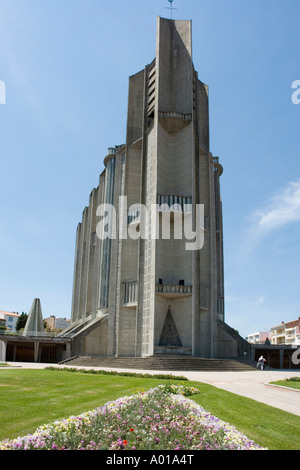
[(98, 253), (84, 262), (92, 248), (106, 244), (115, 292), (142, 241), (76, 279)]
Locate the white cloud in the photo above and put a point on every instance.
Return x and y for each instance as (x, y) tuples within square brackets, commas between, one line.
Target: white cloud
[(260, 300), (281, 210)]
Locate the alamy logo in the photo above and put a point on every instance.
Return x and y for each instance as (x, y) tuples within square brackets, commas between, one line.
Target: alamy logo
[(296, 357), (296, 94), (2, 92), (140, 222)]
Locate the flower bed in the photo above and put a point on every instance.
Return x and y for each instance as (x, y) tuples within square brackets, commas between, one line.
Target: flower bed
[(162, 418)]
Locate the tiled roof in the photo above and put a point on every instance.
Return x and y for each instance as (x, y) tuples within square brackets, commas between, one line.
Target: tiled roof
[(9, 313), (292, 324)]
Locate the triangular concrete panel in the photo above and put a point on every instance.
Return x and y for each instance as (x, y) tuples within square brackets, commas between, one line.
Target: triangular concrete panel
[(35, 324), (169, 334)]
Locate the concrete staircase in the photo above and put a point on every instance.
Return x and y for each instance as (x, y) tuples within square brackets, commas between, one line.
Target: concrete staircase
[(162, 363)]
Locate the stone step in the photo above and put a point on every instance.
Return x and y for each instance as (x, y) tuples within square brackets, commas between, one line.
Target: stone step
[(162, 363)]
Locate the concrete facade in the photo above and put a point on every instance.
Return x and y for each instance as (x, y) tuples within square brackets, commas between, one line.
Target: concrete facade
[(139, 291), (45, 349)]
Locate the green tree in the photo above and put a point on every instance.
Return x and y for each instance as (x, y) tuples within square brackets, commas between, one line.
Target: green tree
[(21, 321)]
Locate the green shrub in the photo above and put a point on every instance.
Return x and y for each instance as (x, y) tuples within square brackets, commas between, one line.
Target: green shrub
[(122, 374)]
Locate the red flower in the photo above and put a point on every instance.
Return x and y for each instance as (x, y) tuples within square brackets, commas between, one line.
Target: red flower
[(131, 429), (125, 443)]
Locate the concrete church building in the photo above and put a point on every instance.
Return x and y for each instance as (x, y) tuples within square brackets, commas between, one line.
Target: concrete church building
[(139, 296)]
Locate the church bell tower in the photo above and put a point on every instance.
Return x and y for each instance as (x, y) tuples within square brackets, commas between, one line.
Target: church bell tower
[(150, 289)]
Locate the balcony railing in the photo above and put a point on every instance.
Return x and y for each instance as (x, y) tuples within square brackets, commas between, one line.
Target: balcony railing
[(173, 289), (134, 216), (174, 202), (130, 293)]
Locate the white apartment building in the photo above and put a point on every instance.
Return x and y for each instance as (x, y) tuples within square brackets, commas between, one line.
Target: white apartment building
[(11, 319), (259, 337), (286, 333)]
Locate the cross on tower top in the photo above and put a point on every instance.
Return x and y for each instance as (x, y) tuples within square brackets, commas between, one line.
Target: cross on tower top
[(171, 7)]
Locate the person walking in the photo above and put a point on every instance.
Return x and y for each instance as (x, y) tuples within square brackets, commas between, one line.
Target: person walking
[(261, 363)]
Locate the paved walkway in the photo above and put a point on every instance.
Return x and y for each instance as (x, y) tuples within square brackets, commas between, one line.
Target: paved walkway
[(255, 385), (252, 384)]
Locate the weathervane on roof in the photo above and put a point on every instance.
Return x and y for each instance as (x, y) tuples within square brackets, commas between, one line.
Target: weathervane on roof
[(171, 7)]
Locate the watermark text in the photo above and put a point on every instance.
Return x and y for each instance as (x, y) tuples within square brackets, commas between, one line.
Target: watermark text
[(2, 92), (178, 222), (296, 93), (296, 357)]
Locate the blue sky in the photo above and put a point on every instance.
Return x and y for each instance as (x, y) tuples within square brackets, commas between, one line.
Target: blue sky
[(66, 63)]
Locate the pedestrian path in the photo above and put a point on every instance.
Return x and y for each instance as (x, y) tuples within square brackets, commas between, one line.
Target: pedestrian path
[(255, 385), (252, 384)]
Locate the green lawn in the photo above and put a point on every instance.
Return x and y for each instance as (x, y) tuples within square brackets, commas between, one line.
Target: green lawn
[(29, 398), (288, 383)]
